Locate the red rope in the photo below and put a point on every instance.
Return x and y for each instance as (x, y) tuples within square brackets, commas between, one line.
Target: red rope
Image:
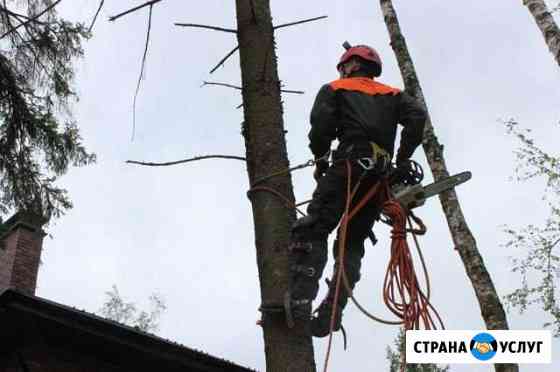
[(401, 289)]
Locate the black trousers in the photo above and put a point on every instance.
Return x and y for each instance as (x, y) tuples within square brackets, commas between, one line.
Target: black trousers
[(325, 210)]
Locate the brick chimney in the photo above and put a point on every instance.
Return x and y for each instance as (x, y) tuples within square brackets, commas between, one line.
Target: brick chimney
[(21, 242)]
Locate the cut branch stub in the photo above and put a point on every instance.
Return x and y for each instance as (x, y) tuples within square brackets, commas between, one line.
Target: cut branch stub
[(205, 83), (223, 60), (300, 22), (292, 91)]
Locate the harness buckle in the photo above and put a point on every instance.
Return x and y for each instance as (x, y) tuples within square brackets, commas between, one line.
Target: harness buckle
[(379, 159)]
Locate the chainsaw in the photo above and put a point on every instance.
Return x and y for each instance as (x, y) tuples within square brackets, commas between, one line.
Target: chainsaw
[(411, 194)]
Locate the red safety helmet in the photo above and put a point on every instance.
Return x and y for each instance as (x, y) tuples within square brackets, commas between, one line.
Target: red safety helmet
[(364, 52)]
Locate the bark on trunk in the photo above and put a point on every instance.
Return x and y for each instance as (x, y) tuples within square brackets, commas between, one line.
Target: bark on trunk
[(263, 130), (488, 299), (547, 25)]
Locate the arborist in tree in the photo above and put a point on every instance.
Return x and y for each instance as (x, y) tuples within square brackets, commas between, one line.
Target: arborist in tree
[(362, 114)]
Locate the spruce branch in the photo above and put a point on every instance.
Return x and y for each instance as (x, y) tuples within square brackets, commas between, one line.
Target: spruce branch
[(32, 19)]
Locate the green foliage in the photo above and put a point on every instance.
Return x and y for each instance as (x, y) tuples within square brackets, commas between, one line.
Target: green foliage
[(117, 309), (395, 358), (540, 266), (39, 140)]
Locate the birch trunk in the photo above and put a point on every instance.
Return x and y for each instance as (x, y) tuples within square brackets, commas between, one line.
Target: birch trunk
[(546, 24), (490, 306), (263, 129)]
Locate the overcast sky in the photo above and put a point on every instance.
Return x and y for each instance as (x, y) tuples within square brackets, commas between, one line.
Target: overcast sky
[(186, 231)]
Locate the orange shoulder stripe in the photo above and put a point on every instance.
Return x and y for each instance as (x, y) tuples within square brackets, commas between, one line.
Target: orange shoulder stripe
[(364, 85)]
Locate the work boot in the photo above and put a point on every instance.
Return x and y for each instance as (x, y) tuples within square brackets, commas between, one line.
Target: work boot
[(321, 322)]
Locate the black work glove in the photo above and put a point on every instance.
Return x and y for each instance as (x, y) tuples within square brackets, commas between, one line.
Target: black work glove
[(401, 174), (321, 167)]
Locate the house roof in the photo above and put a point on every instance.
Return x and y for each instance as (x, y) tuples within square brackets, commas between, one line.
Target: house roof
[(63, 325)]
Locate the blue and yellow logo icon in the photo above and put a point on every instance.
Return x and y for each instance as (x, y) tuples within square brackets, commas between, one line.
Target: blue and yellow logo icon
[(483, 346)]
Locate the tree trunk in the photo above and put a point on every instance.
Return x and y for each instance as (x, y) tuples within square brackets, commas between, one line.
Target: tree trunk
[(546, 24), (263, 129), (488, 299)]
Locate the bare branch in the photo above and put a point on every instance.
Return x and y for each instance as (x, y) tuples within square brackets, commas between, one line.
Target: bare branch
[(239, 106), (204, 83), (141, 71), (224, 59), (150, 164), (29, 20), (300, 22), (96, 15), (215, 28), (149, 3), (292, 91)]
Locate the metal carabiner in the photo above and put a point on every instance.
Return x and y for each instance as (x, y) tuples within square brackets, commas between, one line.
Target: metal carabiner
[(366, 163)]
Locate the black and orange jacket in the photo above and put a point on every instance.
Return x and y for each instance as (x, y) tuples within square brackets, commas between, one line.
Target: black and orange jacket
[(359, 109)]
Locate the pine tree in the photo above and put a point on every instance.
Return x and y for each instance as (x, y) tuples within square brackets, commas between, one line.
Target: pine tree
[(286, 349), (39, 140)]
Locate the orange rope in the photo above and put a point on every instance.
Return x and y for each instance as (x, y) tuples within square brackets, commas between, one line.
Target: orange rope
[(341, 245)]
